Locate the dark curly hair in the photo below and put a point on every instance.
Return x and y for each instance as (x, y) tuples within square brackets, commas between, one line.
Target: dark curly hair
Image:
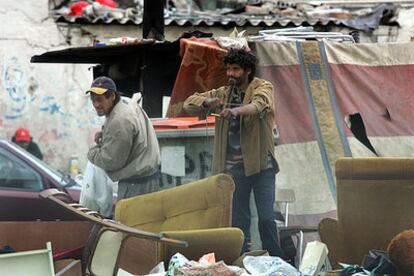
[(242, 58)]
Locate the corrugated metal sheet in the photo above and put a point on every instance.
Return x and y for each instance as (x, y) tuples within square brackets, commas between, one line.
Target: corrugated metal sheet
[(227, 20), (268, 15)]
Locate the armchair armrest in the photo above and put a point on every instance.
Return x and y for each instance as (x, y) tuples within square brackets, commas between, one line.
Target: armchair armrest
[(226, 243), (329, 233)]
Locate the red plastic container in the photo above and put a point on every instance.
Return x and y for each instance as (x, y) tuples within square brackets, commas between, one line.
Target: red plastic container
[(182, 123)]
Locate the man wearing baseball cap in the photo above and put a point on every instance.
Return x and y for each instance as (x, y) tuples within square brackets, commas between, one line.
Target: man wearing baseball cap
[(23, 139), (127, 147)]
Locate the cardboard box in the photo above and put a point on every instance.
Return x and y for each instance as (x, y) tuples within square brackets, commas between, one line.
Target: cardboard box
[(313, 259)]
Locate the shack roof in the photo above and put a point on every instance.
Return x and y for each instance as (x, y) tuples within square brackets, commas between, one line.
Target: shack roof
[(108, 54)]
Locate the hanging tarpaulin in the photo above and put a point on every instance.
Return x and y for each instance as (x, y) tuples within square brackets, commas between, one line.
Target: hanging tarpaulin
[(375, 80), (325, 90), (309, 142)]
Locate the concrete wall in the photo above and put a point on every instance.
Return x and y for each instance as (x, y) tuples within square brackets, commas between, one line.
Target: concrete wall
[(47, 99)]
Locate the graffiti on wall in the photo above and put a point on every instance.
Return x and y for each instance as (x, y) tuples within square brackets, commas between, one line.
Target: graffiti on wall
[(52, 118), (50, 105), (23, 92), (13, 80)]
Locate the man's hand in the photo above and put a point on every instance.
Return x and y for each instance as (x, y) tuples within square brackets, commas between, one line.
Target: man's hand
[(229, 113), (98, 137), (212, 102)]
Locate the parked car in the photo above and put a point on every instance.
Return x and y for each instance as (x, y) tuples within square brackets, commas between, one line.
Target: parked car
[(22, 178)]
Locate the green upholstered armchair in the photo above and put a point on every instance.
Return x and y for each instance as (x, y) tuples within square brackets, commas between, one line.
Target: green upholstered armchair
[(198, 212), (375, 202)]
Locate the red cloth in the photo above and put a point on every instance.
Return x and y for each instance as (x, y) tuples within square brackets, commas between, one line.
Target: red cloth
[(77, 8), (108, 3), (201, 69)]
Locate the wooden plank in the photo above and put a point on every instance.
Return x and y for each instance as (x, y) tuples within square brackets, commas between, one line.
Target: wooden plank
[(56, 195), (74, 268), (32, 235)]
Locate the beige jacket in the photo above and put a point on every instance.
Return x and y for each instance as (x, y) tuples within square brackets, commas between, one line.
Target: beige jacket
[(129, 146), (256, 133)]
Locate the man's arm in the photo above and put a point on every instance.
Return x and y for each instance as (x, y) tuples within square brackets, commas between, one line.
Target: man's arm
[(199, 102), (248, 109), (261, 101), (263, 98), (113, 151)]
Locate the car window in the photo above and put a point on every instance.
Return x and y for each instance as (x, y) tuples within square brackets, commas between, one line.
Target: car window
[(15, 174), (58, 176)]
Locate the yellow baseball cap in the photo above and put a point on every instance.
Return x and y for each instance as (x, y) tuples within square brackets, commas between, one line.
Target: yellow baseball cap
[(101, 84)]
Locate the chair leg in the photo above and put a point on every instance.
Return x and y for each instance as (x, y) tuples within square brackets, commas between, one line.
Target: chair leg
[(300, 246), (327, 264), (298, 257)]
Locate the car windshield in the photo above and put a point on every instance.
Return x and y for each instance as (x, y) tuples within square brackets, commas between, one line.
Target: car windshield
[(64, 179)]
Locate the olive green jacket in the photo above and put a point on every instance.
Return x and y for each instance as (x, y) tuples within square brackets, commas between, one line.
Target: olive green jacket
[(129, 146), (256, 131)]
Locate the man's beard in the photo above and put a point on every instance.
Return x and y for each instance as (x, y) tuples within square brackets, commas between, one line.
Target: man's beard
[(236, 82)]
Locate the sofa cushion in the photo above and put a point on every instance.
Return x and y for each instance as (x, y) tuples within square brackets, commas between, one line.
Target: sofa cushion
[(205, 203)]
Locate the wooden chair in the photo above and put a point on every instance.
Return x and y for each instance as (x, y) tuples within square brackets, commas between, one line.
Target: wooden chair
[(111, 236)]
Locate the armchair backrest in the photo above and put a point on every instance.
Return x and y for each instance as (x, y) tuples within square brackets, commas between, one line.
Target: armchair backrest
[(202, 204), (375, 202)]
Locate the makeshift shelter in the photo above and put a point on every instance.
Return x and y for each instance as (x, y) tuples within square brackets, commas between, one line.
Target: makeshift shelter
[(317, 86), (145, 66)]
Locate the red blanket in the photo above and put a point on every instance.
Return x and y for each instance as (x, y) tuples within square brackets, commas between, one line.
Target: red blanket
[(201, 69)]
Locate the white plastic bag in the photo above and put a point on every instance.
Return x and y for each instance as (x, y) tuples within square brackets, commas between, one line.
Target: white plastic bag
[(97, 190), (268, 266), (232, 42)]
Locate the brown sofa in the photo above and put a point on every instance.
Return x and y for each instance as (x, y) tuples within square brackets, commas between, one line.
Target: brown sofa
[(198, 212), (375, 202)]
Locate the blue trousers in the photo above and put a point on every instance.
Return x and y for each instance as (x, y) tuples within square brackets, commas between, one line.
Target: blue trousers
[(263, 186)]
